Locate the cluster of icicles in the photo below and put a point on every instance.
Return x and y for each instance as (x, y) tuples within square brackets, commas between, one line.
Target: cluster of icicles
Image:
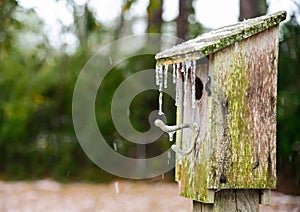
[(161, 75)]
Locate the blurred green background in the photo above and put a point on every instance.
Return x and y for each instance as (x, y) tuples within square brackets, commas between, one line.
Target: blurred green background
[(37, 138)]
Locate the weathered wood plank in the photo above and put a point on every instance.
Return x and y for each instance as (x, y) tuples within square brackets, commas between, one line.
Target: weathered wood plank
[(202, 207), (231, 200), (243, 113), (193, 172), (236, 147), (265, 196)]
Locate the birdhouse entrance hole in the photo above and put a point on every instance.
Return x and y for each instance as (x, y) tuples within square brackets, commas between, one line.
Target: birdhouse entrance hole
[(199, 88)]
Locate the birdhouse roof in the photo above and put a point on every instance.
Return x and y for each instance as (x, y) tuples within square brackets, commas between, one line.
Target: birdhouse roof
[(215, 40)]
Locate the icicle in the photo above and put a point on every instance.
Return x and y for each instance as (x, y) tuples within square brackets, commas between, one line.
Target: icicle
[(160, 82), (157, 70), (171, 135), (193, 79), (188, 65), (163, 176), (166, 76), (177, 85), (174, 72), (182, 66), (160, 103), (186, 73), (160, 78)]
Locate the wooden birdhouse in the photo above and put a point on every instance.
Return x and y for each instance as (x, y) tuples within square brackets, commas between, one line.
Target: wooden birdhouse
[(226, 94)]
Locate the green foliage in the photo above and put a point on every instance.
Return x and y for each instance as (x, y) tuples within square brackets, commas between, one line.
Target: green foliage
[(6, 23), (36, 85), (195, 29), (289, 99), (37, 138), (140, 108)]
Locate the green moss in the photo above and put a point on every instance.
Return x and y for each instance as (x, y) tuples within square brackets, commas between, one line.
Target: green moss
[(196, 176), (235, 85), (237, 121), (195, 181), (178, 141), (216, 40)]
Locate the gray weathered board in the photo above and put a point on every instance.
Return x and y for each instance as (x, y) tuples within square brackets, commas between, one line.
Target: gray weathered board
[(236, 114)]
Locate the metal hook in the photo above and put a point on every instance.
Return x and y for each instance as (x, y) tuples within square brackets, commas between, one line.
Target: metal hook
[(171, 129)]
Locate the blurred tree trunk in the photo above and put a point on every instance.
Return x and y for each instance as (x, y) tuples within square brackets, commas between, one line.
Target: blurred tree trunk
[(7, 20), (85, 23), (126, 7), (252, 8), (185, 8), (154, 12)]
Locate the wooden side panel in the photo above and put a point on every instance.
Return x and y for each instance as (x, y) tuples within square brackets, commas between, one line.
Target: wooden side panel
[(179, 135), (242, 113), (231, 200)]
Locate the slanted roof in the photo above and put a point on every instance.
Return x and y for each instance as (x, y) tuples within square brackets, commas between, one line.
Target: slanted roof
[(215, 40)]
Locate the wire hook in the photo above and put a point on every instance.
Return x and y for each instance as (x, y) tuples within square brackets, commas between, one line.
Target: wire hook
[(171, 129)]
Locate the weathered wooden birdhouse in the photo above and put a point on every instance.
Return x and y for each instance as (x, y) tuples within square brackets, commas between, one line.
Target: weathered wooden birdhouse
[(226, 94)]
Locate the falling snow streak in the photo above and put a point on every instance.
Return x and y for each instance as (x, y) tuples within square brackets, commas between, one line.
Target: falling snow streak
[(117, 190), (115, 146)]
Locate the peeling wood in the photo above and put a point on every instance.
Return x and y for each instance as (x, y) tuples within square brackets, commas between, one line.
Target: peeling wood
[(235, 151), (243, 113), (265, 196), (236, 200), (237, 142)]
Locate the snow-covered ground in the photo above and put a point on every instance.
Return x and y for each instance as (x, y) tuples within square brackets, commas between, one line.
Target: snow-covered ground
[(48, 195)]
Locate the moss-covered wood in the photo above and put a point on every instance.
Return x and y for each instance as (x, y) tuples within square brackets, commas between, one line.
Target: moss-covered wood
[(236, 145), (193, 171), (243, 113)]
